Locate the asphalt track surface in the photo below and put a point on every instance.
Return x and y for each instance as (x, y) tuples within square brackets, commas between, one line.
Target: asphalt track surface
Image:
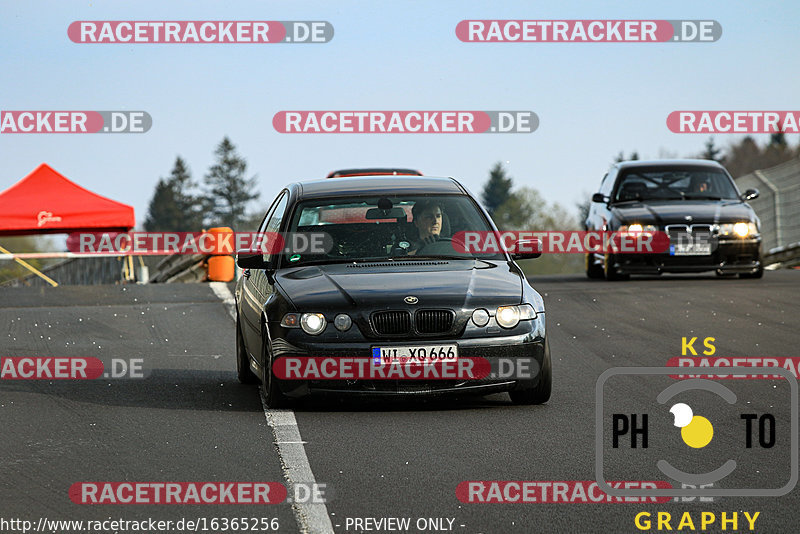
[(190, 420)]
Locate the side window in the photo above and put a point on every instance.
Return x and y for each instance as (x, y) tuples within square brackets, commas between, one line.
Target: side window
[(274, 219), (606, 185)]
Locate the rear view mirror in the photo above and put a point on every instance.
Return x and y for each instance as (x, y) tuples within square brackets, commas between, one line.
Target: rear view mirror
[(247, 260), (599, 197), (382, 214), (527, 249), (750, 194)]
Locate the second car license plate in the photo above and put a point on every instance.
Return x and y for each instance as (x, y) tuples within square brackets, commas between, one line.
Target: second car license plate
[(690, 249), (415, 353)]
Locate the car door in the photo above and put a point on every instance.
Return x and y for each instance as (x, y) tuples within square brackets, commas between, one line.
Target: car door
[(252, 292), (265, 288)]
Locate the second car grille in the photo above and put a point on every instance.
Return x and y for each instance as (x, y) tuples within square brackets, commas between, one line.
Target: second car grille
[(398, 322), (433, 321), (392, 322)]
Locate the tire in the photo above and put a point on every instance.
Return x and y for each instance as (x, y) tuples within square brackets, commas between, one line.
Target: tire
[(593, 271), (610, 272), (272, 393), (540, 393), (243, 371)]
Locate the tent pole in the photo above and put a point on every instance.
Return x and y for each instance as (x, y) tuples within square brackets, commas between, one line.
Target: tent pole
[(32, 269)]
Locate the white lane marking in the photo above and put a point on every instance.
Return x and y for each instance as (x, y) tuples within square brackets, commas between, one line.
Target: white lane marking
[(312, 518), (222, 292)]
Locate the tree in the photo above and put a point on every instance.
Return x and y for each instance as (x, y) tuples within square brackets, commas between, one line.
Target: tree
[(162, 214), (621, 157), (744, 157), (526, 210), (712, 152), (173, 208), (497, 190), (583, 209), (228, 191), (190, 218)]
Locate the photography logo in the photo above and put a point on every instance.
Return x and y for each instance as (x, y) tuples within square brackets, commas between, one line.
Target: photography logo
[(709, 439)]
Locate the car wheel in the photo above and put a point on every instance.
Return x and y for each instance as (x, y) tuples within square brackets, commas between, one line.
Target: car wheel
[(272, 392), (245, 374), (540, 393), (593, 270), (758, 274), (610, 271)]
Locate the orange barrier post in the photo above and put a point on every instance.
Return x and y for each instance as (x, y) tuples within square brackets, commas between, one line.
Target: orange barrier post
[(221, 265)]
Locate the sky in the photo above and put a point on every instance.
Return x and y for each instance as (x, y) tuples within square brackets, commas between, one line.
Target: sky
[(593, 100)]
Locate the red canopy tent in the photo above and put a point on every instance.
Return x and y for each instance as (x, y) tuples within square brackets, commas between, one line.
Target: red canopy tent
[(45, 202)]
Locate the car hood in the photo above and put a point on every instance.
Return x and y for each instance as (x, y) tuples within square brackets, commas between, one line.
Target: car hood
[(368, 286), (678, 212)]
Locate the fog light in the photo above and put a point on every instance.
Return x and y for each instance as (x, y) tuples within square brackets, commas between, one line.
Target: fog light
[(342, 322), (312, 323), (480, 317)]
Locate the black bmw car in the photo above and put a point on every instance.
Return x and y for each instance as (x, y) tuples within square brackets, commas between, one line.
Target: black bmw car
[(388, 281), (708, 222)]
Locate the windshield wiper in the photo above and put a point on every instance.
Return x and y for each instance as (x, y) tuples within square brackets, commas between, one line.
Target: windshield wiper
[(703, 197), (413, 257)]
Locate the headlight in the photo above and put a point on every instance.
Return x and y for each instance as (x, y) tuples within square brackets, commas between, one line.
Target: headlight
[(739, 229), (313, 323), (510, 316), (637, 228), (480, 317), (342, 322)]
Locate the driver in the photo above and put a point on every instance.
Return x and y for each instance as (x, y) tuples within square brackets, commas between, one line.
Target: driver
[(427, 217)]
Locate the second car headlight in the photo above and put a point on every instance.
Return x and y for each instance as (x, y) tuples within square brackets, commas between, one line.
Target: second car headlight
[(637, 228), (313, 323), (510, 316), (739, 229)]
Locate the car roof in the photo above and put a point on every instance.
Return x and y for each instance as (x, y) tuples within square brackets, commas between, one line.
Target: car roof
[(669, 163), (374, 171), (377, 185)]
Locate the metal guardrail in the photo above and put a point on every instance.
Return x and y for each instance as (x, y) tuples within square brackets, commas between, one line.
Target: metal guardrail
[(778, 205)]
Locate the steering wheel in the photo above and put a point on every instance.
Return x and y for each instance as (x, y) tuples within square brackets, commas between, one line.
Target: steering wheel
[(438, 246)]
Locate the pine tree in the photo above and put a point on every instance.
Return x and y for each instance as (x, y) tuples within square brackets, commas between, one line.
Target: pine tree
[(190, 216), (712, 152), (162, 214), (497, 189), (228, 191)]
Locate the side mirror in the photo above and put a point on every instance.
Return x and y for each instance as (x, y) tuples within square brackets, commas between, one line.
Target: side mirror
[(599, 197), (527, 249), (247, 260), (750, 194)]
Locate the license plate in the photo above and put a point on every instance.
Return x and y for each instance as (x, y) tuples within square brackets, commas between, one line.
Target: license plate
[(415, 354), (690, 249)]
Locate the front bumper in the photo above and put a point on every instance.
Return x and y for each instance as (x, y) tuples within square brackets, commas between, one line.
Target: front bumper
[(528, 345), (727, 256)]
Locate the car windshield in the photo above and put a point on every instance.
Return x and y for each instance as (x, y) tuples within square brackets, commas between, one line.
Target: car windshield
[(387, 228), (665, 183)]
